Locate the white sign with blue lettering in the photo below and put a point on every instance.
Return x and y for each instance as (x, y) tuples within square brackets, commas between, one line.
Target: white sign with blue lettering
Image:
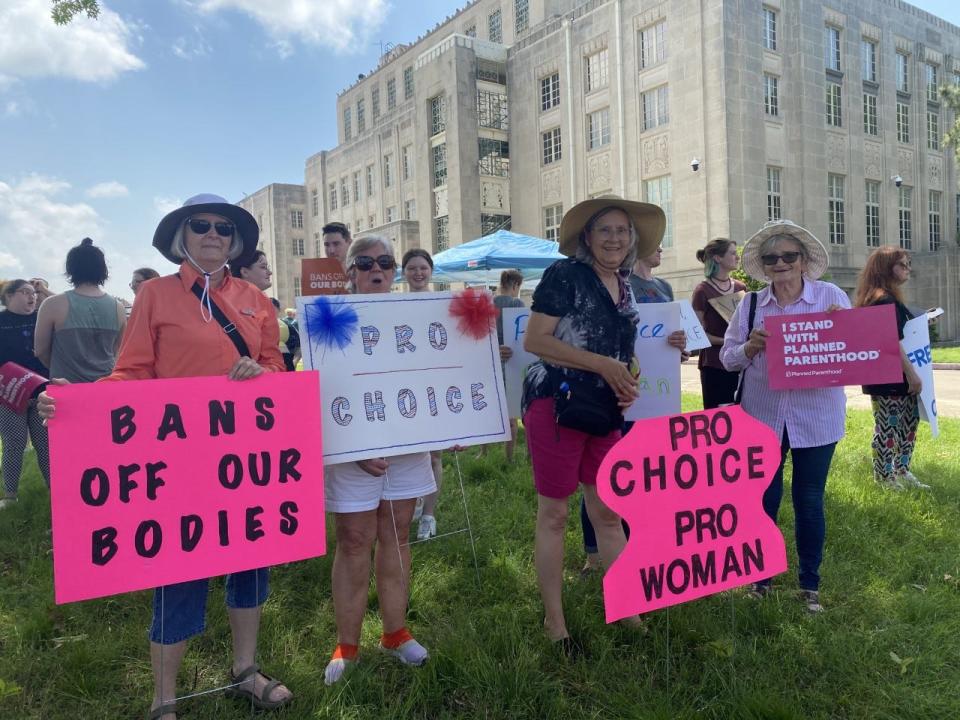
[(514, 369), (696, 336), (916, 345), (659, 380), (397, 376)]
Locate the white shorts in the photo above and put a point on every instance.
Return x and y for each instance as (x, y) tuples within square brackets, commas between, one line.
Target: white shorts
[(348, 488)]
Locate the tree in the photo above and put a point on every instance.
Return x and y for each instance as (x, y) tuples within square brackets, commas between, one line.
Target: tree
[(64, 11), (951, 98)]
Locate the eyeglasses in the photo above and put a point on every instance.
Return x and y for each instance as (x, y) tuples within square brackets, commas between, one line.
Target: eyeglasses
[(202, 227), (365, 263), (789, 258), (28, 291), (905, 265)]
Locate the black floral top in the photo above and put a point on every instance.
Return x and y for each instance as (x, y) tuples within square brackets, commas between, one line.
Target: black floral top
[(589, 320)]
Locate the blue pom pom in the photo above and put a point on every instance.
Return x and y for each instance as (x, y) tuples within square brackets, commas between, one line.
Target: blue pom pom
[(331, 322)]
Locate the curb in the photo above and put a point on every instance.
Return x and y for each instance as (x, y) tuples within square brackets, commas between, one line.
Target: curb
[(946, 366)]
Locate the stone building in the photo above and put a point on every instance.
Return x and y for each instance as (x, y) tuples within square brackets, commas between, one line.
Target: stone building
[(511, 111)]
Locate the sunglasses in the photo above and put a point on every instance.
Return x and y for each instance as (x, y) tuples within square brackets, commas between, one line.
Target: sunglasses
[(365, 263), (788, 258), (202, 227)]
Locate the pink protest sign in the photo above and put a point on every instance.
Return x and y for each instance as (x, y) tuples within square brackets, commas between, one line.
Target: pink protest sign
[(845, 347), (17, 385), (162, 481), (691, 489)]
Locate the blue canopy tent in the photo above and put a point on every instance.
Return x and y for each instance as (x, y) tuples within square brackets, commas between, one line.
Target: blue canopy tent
[(482, 260)]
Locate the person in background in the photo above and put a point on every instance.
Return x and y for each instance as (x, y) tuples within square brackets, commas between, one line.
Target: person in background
[(719, 259), (140, 276), (507, 296), (17, 323), (42, 289), (809, 422), (79, 331), (290, 318), (896, 408), (255, 270), (336, 241), (417, 268), (289, 339), (646, 288)]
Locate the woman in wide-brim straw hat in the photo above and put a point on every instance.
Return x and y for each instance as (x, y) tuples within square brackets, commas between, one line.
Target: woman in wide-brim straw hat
[(173, 333), (582, 326), (809, 422)]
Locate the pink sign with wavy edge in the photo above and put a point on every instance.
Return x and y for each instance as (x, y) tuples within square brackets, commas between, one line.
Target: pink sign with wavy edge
[(691, 489), (162, 481)]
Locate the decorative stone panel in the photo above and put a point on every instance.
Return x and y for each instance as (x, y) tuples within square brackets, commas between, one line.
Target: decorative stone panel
[(494, 196), (905, 165), (440, 202), (837, 153), (834, 17), (869, 31), (902, 44), (551, 189), (935, 171), (598, 172), (873, 160), (655, 156)]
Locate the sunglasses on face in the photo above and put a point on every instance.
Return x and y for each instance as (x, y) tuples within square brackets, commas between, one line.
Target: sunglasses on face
[(365, 263), (789, 258), (202, 227)]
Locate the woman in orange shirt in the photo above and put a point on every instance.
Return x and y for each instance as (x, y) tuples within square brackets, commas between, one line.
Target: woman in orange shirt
[(173, 332)]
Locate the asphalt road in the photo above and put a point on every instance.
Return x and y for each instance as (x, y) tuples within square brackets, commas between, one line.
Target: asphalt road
[(947, 383)]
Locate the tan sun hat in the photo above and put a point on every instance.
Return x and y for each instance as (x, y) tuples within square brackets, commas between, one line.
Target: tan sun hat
[(817, 259), (648, 220)]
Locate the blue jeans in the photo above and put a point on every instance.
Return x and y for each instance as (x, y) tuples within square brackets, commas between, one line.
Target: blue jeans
[(810, 469), (179, 611)]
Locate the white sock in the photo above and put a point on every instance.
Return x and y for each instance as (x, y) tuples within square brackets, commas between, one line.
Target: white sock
[(335, 670), (409, 653)]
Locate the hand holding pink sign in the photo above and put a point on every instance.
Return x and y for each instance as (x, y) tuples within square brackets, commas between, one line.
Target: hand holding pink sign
[(691, 489)]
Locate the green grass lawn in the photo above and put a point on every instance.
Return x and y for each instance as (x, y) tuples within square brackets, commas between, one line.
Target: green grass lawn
[(948, 354), (887, 647)]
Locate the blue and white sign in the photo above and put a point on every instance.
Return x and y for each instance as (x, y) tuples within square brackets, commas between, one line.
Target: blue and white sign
[(659, 381), (514, 329), (916, 345)]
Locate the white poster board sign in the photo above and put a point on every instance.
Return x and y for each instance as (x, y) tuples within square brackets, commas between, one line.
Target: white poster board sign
[(916, 344), (514, 369), (696, 336), (659, 381), (398, 377)]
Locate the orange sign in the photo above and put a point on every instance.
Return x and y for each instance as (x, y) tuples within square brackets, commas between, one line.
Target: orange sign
[(322, 276)]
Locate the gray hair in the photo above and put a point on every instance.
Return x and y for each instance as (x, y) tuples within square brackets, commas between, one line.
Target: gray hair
[(585, 255), (362, 246), (178, 246), (767, 245)]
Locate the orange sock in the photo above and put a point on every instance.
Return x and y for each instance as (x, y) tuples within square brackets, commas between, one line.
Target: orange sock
[(396, 638), (345, 651)]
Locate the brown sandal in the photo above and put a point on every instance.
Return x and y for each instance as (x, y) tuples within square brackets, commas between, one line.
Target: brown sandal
[(259, 701)]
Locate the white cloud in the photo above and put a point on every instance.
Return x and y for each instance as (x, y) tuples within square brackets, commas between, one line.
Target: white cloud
[(190, 47), (111, 189), (31, 45), (337, 24), (164, 205)]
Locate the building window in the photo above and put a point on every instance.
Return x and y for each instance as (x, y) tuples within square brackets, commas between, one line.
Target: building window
[(298, 247), (905, 216), (598, 130), (872, 191), (835, 209), (653, 45), (551, 222), (356, 186), (471, 31), (410, 210), (405, 162), (549, 91), (656, 107), (390, 214), (361, 116), (492, 110), (931, 74), (495, 26), (659, 191), (371, 221), (369, 180), (551, 146), (494, 157), (491, 71), (391, 93), (521, 15), (347, 131), (489, 224), (769, 29), (933, 131), (296, 283), (596, 70), (375, 102), (344, 192), (771, 94), (441, 231), (834, 111), (870, 114), (868, 60), (333, 196), (315, 202), (774, 206), (438, 121), (832, 48), (296, 219), (388, 170), (933, 218), (903, 73), (439, 165), (317, 245), (407, 83), (903, 122)]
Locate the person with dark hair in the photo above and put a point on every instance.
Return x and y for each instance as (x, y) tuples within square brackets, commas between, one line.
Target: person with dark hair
[(79, 331), (254, 270), (719, 259), (896, 409), (140, 276), (336, 241), (17, 322)]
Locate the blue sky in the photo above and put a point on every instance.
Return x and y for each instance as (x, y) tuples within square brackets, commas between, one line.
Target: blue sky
[(105, 125)]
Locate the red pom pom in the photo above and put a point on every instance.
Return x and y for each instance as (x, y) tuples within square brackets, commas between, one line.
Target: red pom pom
[(475, 312)]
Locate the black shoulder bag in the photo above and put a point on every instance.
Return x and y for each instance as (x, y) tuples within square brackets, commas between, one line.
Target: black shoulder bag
[(228, 326), (738, 395)]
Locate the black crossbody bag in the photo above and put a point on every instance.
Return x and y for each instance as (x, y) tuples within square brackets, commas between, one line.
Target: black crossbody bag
[(738, 395), (229, 327)]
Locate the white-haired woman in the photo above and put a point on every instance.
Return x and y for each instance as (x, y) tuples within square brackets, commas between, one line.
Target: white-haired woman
[(373, 502)]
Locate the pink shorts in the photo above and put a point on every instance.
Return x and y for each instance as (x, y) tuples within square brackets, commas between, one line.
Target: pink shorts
[(562, 458)]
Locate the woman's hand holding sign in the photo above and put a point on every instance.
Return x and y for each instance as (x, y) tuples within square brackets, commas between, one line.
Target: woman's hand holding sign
[(756, 343), (618, 377), (244, 369), (374, 466)]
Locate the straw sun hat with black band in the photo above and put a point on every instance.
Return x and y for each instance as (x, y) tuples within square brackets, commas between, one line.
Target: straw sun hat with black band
[(816, 254), (648, 221)]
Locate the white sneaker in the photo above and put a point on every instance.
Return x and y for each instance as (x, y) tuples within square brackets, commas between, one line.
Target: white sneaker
[(335, 670), (889, 484), (427, 528), (7, 502), (908, 479), (418, 509)]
